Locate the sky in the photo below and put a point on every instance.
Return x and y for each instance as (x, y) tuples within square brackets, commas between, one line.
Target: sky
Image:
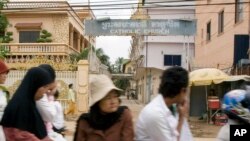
[(113, 46)]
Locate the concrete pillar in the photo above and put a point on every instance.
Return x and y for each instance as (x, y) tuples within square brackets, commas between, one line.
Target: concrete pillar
[(71, 42), (144, 94), (83, 86), (83, 44), (78, 42)]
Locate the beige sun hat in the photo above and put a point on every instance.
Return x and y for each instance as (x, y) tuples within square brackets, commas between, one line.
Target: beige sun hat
[(100, 86)]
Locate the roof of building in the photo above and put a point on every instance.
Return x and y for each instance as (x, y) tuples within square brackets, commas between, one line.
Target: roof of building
[(125, 62), (12, 4)]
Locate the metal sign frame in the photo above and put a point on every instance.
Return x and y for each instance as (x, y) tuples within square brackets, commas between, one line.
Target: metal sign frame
[(129, 27)]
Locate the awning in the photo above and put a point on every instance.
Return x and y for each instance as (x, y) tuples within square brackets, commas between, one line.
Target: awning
[(28, 25), (206, 76), (238, 78)]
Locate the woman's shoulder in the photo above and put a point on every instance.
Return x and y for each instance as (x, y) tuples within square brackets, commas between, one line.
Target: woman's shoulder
[(83, 119), (83, 116), (126, 112)]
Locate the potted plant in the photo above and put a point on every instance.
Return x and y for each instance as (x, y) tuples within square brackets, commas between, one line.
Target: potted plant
[(45, 37)]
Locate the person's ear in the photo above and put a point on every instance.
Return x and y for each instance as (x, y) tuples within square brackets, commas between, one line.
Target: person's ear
[(184, 90)]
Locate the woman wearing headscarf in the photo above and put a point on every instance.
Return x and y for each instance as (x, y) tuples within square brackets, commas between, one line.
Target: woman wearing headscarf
[(46, 106), (21, 120), (4, 94), (106, 120), (49, 69)]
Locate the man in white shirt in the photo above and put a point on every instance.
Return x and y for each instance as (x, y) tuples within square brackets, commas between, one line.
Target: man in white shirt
[(71, 110), (71, 93), (156, 121)]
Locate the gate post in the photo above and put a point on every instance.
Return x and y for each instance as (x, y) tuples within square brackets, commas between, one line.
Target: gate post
[(82, 86)]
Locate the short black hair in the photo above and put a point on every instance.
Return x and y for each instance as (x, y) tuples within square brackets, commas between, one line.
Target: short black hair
[(172, 81), (70, 85)]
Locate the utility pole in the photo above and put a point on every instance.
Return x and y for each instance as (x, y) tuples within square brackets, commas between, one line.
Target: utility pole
[(188, 53), (143, 2), (89, 43)]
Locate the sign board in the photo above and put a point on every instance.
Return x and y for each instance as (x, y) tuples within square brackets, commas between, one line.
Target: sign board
[(128, 27)]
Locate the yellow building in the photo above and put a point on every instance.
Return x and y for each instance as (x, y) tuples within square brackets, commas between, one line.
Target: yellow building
[(28, 19), (222, 33), (128, 69)]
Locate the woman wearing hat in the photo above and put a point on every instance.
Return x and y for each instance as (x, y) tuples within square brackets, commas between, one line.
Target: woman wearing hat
[(236, 104), (106, 120), (4, 94)]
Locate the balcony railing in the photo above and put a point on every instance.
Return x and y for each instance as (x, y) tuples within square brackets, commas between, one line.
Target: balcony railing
[(39, 48)]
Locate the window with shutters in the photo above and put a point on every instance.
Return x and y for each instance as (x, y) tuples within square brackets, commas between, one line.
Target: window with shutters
[(172, 60), (28, 36)]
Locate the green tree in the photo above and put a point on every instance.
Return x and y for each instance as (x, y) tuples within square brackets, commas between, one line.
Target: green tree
[(83, 55), (99, 53), (7, 38), (3, 52), (45, 37), (112, 68), (118, 64), (102, 57), (122, 83), (3, 21), (3, 25)]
